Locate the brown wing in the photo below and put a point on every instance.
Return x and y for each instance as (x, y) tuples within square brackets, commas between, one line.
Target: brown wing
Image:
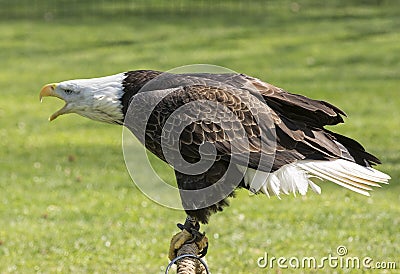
[(238, 126), (298, 107), (294, 106), (297, 121), (204, 121), (300, 130)]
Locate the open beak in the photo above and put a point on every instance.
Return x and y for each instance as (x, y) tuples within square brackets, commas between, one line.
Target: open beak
[(49, 90)]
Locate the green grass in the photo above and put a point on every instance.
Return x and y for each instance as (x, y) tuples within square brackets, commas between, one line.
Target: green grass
[(67, 203)]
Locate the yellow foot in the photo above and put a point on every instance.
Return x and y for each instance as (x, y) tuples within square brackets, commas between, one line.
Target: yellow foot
[(179, 239)]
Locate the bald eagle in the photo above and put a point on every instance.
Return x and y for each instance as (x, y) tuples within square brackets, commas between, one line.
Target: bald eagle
[(247, 133)]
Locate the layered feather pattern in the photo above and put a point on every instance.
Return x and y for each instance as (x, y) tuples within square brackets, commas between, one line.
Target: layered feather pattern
[(295, 177)]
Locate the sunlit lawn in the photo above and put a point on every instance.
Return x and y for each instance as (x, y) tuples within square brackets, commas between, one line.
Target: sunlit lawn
[(67, 202)]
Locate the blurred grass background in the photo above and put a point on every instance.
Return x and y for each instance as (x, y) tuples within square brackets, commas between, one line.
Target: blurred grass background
[(67, 203)]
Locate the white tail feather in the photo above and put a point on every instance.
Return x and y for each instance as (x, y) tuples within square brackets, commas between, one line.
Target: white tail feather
[(295, 177), (347, 174)]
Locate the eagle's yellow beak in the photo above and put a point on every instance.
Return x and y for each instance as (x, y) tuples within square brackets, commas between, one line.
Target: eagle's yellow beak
[(49, 90)]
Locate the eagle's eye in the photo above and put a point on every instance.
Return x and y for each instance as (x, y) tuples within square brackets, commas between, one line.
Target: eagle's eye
[(68, 91)]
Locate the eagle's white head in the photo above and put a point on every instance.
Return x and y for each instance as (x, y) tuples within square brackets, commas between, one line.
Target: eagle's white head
[(98, 98)]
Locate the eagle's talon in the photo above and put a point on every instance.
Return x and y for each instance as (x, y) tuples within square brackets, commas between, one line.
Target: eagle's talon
[(203, 252), (202, 244), (189, 234), (177, 241)]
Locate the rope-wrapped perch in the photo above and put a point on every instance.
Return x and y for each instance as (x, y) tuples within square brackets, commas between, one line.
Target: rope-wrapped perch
[(188, 262)]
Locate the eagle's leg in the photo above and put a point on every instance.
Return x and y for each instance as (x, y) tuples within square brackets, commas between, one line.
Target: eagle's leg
[(190, 233)]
